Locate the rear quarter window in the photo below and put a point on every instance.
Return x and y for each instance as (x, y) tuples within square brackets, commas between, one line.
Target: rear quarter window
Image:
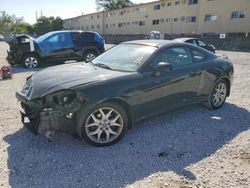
[(198, 56)]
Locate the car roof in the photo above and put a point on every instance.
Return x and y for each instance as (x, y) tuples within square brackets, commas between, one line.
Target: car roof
[(184, 39), (71, 31), (155, 43)]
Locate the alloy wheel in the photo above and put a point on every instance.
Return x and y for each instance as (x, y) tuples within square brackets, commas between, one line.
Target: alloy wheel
[(31, 62), (104, 125), (90, 57), (219, 94)]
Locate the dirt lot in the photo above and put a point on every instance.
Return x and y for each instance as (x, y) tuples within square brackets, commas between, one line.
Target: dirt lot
[(192, 147)]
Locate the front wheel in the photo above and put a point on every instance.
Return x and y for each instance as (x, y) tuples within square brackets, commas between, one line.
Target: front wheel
[(218, 95), (104, 125), (30, 61)]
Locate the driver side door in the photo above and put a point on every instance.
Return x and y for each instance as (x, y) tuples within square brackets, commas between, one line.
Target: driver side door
[(164, 91)]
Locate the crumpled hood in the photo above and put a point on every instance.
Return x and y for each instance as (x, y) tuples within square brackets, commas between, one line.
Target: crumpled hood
[(62, 77)]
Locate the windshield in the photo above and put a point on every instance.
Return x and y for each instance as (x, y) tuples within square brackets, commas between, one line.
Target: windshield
[(125, 57)]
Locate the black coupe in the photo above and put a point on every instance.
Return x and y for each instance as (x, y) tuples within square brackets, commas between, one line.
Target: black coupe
[(130, 82)]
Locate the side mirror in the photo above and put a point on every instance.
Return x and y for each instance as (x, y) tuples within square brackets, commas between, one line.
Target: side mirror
[(163, 67)]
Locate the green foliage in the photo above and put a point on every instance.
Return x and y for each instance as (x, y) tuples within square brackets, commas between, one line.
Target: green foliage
[(12, 24), (47, 24), (112, 4), (8, 22)]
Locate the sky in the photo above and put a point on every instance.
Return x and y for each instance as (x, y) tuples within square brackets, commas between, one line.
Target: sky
[(63, 8)]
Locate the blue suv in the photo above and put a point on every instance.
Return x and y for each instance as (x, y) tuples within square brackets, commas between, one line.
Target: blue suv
[(56, 46)]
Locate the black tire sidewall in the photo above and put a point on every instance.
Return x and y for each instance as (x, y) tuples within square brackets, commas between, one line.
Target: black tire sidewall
[(30, 55), (83, 118)]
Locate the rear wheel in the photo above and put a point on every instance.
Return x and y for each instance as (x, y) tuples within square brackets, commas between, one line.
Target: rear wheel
[(104, 125), (89, 56), (31, 61), (218, 95)]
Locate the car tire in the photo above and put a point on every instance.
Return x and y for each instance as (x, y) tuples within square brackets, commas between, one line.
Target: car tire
[(30, 61), (89, 56), (104, 125), (218, 95)]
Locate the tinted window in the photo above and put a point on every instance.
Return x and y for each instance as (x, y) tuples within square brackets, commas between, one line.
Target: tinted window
[(177, 56), (88, 38), (77, 39), (198, 56), (191, 42), (201, 43)]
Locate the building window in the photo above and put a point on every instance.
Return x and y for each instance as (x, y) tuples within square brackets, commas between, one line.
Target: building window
[(176, 19), (108, 15), (156, 22), (192, 2), (157, 7), (177, 3), (169, 4), (121, 13), (163, 4), (98, 16), (141, 10), (121, 24), (210, 17), (191, 19), (141, 23), (238, 15), (92, 27), (108, 25), (98, 26), (91, 17)]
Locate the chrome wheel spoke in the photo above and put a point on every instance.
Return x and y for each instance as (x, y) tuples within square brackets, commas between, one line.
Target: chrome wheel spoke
[(97, 131), (112, 132), (104, 125), (219, 94)]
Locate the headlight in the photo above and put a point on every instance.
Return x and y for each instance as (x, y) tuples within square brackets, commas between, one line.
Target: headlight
[(27, 86)]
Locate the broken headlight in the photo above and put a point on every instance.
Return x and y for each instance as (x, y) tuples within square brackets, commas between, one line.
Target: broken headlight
[(69, 100), (27, 86)]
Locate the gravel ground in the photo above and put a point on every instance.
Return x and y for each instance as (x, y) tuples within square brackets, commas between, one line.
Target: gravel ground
[(192, 147)]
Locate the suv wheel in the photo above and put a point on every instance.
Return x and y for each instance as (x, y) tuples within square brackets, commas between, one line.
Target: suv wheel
[(30, 61), (89, 56)]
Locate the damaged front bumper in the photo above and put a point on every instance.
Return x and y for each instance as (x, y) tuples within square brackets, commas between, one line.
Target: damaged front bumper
[(40, 119)]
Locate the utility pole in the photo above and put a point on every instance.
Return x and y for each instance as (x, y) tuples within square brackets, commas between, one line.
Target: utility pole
[(36, 16), (41, 13)]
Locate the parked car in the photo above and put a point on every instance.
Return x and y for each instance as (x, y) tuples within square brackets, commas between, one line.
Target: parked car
[(57, 46), (130, 82), (1, 38), (198, 42)]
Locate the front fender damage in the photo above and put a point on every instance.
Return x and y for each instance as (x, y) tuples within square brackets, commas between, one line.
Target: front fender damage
[(51, 113)]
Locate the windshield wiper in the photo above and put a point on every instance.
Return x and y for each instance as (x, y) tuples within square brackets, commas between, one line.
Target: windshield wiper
[(102, 65)]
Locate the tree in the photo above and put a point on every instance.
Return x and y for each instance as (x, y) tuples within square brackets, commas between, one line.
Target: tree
[(24, 28), (112, 4), (46, 24), (8, 22)]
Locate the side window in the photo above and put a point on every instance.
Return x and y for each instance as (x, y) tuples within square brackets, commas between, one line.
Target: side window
[(198, 56), (191, 42), (88, 38), (201, 43), (177, 56), (77, 40)]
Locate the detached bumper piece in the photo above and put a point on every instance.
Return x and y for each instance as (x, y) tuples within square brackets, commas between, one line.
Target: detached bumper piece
[(32, 126)]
